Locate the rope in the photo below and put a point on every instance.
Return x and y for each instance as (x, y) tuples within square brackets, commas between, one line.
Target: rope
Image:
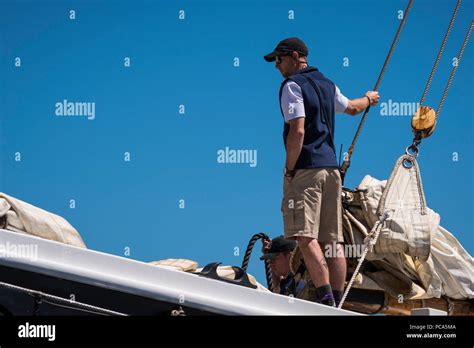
[(248, 253), (347, 161), (58, 301), (428, 84), (417, 138), (370, 243), (466, 39)]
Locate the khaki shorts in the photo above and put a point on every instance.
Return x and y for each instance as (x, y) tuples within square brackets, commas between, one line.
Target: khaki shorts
[(311, 205)]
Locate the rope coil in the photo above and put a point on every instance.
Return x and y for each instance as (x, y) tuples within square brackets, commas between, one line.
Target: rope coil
[(248, 253)]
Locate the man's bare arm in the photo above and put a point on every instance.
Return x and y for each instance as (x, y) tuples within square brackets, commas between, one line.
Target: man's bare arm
[(294, 142), (356, 106)]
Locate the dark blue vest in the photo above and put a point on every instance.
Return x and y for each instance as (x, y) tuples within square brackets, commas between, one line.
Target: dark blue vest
[(318, 147)]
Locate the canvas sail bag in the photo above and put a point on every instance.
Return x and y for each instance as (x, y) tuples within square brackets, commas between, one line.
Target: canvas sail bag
[(19, 216), (409, 223), (444, 267)]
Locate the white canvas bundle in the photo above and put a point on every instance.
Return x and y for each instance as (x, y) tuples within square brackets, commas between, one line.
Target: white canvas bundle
[(25, 218), (411, 240)]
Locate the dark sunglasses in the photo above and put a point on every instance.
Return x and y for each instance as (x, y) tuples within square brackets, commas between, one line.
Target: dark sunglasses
[(278, 58)]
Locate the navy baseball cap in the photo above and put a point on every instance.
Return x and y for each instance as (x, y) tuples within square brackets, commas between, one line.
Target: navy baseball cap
[(279, 245), (286, 47)]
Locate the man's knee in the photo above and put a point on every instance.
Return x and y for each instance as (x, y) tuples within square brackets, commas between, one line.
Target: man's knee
[(311, 248), (305, 242), (332, 250)]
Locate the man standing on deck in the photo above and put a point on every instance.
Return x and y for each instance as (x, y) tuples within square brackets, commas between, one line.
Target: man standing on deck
[(311, 204)]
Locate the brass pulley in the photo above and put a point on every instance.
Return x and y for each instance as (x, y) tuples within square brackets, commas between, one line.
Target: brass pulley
[(424, 121)]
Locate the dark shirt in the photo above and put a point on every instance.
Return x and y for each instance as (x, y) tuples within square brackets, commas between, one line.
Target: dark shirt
[(288, 286)]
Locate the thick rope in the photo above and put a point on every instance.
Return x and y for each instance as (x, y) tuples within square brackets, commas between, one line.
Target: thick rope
[(371, 241), (430, 78), (59, 301), (248, 253), (466, 39), (347, 161)]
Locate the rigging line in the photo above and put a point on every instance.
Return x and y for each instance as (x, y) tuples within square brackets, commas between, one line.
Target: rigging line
[(430, 78), (448, 84), (59, 300), (347, 160)]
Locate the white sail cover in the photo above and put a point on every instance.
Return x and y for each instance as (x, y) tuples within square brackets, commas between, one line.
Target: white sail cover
[(411, 240), (22, 217)]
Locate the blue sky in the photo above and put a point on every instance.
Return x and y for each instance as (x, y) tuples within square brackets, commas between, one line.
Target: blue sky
[(135, 204)]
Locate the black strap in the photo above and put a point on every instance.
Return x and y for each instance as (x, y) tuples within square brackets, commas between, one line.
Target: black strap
[(324, 111), (292, 288), (301, 268)]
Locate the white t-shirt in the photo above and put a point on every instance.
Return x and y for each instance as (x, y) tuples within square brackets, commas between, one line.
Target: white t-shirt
[(293, 106)]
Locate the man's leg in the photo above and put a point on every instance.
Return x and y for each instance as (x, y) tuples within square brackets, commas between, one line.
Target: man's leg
[(337, 269), (317, 267), (330, 231)]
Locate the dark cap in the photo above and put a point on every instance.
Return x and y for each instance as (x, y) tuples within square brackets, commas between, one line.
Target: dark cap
[(287, 46), (279, 245)]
